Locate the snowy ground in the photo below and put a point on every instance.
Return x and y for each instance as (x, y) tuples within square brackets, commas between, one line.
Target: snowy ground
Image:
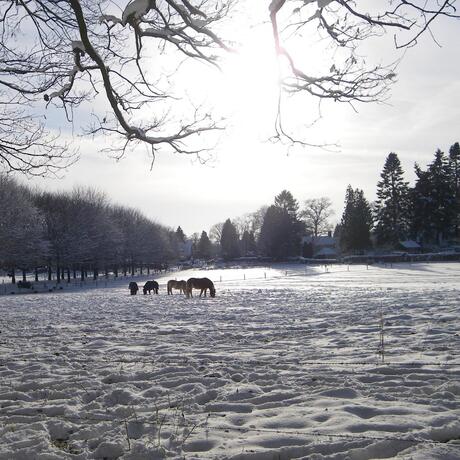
[(274, 367)]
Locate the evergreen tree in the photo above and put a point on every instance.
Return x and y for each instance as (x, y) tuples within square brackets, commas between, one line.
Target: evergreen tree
[(204, 246), (286, 201), (180, 235), (274, 239), (248, 243), (454, 162), (291, 227), (433, 201), (229, 241), (356, 223), (392, 205)]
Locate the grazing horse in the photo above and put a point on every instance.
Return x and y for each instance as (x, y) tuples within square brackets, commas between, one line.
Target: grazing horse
[(181, 285), (151, 286), (200, 283), (133, 287)]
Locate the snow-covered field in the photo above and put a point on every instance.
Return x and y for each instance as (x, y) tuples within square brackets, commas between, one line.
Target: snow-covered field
[(274, 367)]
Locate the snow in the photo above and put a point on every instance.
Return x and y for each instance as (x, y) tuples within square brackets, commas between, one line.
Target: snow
[(135, 10), (283, 363)]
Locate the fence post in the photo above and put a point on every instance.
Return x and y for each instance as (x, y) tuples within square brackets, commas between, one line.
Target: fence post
[(244, 276)]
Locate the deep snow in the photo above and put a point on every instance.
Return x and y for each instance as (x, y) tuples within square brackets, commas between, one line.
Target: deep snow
[(274, 367)]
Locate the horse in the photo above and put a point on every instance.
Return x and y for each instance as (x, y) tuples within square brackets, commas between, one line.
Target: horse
[(133, 287), (200, 283), (151, 286), (181, 285)]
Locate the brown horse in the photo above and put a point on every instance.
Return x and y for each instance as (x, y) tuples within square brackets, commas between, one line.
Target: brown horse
[(181, 285), (200, 283)]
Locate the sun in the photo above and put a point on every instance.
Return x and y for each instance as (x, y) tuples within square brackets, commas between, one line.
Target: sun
[(244, 91)]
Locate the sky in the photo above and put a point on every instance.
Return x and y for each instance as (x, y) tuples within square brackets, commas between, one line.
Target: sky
[(247, 172)]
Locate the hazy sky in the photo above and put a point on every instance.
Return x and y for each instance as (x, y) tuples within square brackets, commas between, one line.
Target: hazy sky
[(246, 172)]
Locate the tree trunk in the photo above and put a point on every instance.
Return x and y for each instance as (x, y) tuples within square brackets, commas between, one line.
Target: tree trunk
[(95, 273), (24, 276), (68, 275), (82, 274), (132, 270), (115, 272), (36, 275), (13, 276), (50, 273), (58, 274)]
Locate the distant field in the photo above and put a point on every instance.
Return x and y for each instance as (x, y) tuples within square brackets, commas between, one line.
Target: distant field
[(286, 362)]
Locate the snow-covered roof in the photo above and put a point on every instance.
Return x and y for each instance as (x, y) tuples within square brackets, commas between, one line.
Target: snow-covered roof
[(326, 252), (409, 244)]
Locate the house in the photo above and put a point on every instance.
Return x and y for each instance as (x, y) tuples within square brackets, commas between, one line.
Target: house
[(320, 247), (410, 246)]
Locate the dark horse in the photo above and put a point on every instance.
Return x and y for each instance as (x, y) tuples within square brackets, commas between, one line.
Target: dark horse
[(133, 287), (151, 286), (200, 283)]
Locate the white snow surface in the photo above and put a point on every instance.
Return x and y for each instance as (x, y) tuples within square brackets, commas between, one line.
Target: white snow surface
[(283, 363)]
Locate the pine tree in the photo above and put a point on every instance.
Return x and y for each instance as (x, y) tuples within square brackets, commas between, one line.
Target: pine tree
[(180, 235), (274, 239), (392, 205), (454, 162), (248, 243), (229, 241), (356, 223), (286, 201), (204, 246), (292, 228), (433, 201)]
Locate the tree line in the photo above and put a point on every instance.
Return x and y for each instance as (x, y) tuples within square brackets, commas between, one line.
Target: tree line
[(428, 213), (273, 231), (81, 233), (76, 234)]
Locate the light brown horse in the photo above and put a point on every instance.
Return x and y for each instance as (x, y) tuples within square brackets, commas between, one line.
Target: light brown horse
[(200, 283), (181, 285)]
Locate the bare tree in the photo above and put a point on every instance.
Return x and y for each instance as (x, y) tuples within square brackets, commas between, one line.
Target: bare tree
[(22, 229), (343, 26), (64, 53), (315, 213), (215, 232)]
